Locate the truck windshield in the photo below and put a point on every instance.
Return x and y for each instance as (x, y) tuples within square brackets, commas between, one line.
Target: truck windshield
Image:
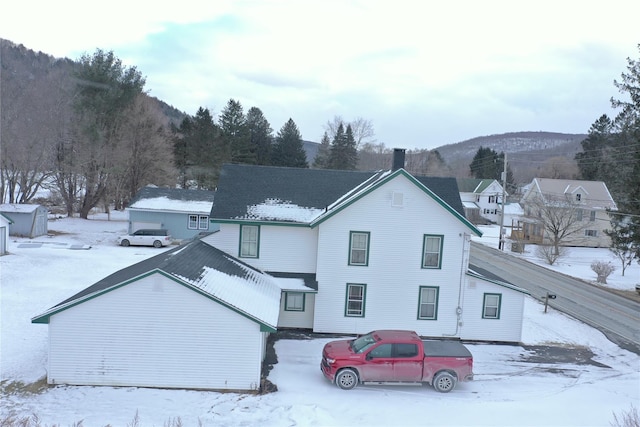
[(361, 344)]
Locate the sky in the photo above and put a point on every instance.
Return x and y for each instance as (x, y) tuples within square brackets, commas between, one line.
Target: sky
[(507, 390), (424, 74)]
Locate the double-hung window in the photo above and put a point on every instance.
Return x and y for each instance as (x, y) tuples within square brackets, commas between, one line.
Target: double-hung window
[(249, 241), (198, 222), (294, 301), (432, 251), (359, 248), (355, 301), (491, 307), (428, 304)]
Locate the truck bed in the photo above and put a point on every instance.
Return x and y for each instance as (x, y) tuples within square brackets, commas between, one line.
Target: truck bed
[(438, 348)]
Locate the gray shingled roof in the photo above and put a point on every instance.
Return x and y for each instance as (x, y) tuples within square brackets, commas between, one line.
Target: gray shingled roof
[(241, 186)]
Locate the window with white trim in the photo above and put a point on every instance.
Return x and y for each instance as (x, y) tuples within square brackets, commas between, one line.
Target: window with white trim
[(249, 241), (198, 222), (294, 301), (355, 300), (592, 216), (591, 233), (491, 306), (432, 251), (428, 303), (359, 248)]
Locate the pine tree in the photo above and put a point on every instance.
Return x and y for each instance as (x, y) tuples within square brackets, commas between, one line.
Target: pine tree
[(260, 136), (288, 149), (235, 133), (321, 160), (344, 155)]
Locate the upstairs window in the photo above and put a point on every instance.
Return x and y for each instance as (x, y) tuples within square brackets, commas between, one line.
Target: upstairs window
[(249, 241), (592, 216), (578, 197), (359, 248), (432, 251), (579, 215)]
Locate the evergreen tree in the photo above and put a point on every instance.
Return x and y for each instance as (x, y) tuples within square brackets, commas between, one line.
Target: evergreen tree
[(288, 149), (196, 148), (487, 164), (344, 155), (591, 157), (321, 160), (260, 136), (235, 134)]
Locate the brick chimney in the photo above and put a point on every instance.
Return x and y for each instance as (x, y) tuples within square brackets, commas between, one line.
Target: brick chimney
[(398, 158)]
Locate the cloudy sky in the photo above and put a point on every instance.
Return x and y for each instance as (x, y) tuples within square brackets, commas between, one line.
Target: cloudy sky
[(425, 74)]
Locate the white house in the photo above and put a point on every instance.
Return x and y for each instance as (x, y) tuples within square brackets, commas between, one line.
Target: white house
[(323, 250), (481, 198), (387, 249)]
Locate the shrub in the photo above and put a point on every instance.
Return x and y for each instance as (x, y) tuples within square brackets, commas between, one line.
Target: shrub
[(628, 418), (603, 270)]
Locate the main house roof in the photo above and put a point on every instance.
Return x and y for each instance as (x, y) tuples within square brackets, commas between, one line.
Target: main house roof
[(206, 270), (297, 195), (173, 199)]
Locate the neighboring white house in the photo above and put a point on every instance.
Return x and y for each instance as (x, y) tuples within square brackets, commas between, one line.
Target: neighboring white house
[(5, 223), (585, 201), (481, 198)]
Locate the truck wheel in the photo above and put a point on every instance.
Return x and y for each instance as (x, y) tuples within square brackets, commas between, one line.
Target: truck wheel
[(347, 379), (444, 382)]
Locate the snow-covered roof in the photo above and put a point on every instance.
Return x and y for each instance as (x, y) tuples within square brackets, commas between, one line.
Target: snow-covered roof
[(173, 200), (216, 274), (166, 204), (17, 208)]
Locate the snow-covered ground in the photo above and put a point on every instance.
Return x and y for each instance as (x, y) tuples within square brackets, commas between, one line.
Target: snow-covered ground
[(508, 389)]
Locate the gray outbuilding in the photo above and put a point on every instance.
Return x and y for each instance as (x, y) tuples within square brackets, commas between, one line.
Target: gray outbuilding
[(27, 220)]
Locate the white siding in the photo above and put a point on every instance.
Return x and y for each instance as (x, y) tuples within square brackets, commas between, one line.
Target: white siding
[(298, 319), (394, 274), (155, 332), (282, 248), (507, 328)]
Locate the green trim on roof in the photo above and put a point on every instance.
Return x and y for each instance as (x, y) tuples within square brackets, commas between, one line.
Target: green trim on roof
[(44, 318), (6, 217), (499, 283), (258, 222), (383, 181)]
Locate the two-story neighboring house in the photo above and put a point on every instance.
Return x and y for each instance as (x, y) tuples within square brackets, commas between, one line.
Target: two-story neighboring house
[(482, 198), (580, 205), (386, 250)]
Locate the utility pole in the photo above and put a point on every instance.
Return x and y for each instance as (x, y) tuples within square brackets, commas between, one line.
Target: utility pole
[(504, 187)]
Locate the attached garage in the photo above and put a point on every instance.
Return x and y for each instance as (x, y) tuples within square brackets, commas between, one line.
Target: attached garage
[(166, 323)]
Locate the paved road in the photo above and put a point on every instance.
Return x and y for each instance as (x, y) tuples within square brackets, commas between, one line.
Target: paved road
[(617, 317)]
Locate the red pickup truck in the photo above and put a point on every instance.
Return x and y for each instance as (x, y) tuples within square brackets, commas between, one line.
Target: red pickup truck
[(396, 357)]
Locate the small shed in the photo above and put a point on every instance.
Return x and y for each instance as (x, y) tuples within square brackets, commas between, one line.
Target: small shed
[(27, 220), (5, 222), (192, 317)]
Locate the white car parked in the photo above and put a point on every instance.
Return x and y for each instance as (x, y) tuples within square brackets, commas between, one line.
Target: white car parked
[(146, 237)]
